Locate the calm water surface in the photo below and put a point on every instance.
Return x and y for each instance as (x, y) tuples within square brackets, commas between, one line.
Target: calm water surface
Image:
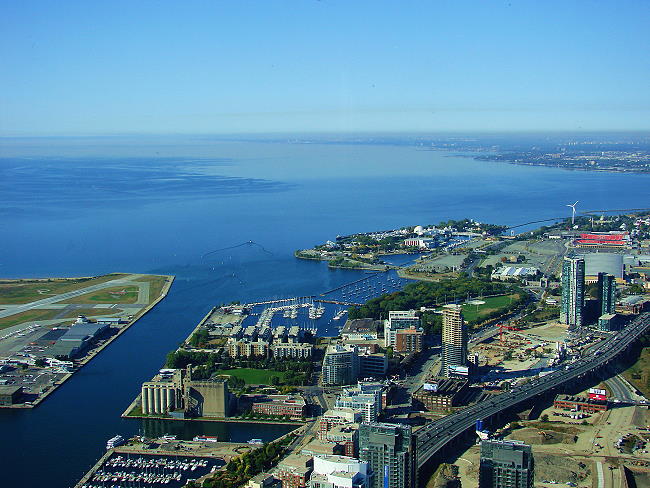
[(72, 207)]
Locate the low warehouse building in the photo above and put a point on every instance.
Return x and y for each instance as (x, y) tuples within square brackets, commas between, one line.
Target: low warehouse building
[(579, 404), (440, 393), (10, 395)]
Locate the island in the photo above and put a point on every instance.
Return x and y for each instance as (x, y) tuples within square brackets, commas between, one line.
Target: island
[(51, 327), (369, 250)]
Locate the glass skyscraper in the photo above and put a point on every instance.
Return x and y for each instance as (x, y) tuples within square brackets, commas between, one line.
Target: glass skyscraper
[(573, 291), (506, 464), (606, 293), (389, 449)]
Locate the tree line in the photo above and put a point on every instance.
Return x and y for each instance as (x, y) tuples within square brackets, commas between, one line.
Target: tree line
[(431, 294)]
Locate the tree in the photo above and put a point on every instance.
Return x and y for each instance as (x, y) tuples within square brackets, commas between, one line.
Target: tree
[(544, 418), (635, 289)]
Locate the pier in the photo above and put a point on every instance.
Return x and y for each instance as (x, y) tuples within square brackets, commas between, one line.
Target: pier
[(281, 300), (338, 302), (350, 283)]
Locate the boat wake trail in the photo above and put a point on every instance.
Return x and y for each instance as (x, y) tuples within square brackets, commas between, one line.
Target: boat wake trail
[(247, 243), (205, 283)]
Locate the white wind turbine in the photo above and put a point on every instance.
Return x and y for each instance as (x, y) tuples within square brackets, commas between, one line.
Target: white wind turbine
[(573, 212)]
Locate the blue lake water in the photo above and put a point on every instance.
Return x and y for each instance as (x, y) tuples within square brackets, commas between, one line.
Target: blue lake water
[(79, 207)]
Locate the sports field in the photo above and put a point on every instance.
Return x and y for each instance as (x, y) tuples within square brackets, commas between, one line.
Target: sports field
[(492, 304)]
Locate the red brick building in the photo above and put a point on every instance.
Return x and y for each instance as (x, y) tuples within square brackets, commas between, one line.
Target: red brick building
[(294, 471), (408, 340), (281, 405)]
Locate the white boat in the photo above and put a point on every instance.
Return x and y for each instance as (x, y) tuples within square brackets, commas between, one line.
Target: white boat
[(205, 438), (256, 442), (118, 440), (339, 315)]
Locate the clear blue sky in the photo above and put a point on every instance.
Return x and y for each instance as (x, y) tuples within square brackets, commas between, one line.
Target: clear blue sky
[(95, 67)]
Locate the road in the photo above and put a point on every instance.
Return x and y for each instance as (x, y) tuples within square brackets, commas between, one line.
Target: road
[(433, 437)]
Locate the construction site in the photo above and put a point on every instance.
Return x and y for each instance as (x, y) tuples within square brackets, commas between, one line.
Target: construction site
[(512, 355), (575, 448)]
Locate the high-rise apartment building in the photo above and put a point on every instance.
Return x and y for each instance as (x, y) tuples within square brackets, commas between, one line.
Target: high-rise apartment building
[(573, 291), (399, 320), (389, 450), (408, 340), (506, 464), (454, 341), (368, 403), (606, 293), (340, 365)]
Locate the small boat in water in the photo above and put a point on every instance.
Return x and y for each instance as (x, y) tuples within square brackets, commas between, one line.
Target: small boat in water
[(118, 440), (205, 438)]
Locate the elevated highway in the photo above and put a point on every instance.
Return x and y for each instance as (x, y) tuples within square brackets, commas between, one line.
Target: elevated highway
[(434, 437)]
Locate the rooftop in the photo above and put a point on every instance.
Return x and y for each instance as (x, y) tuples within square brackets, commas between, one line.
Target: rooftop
[(296, 462), (355, 326), (10, 389), (441, 386)]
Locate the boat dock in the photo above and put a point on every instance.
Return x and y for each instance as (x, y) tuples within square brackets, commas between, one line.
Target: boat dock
[(339, 302), (281, 300), (170, 462)]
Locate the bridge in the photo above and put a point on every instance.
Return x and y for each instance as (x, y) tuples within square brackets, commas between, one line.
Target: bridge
[(434, 437)]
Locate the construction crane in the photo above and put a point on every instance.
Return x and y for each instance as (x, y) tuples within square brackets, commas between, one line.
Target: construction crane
[(503, 327)]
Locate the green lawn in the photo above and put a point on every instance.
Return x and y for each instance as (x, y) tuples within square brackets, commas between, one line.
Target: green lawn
[(91, 312), (254, 376), (116, 294), (27, 316), (639, 373), (472, 312)]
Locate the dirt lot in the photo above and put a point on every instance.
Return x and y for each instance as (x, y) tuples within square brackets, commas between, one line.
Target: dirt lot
[(570, 451)]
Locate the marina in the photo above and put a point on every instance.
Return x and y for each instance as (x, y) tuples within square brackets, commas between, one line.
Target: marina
[(322, 315), (127, 470)]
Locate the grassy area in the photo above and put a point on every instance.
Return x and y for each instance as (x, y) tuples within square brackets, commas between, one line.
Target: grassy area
[(639, 373), (15, 292), (137, 412), (116, 294), (254, 376), (37, 314), (156, 287), (492, 304), (27, 316), (91, 312), (428, 276), (556, 426)]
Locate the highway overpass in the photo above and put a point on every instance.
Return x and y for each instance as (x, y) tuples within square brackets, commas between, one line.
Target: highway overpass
[(432, 438)]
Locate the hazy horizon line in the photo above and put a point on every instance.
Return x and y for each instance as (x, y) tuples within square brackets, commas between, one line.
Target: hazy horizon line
[(322, 133)]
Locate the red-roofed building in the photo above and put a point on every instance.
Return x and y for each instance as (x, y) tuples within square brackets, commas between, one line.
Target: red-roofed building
[(598, 239)]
